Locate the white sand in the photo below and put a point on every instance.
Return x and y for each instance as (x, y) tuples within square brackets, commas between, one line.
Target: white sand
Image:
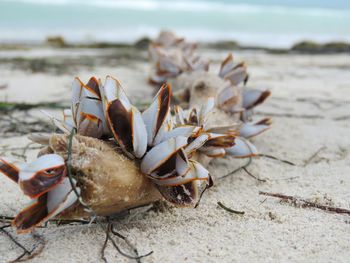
[(314, 92)]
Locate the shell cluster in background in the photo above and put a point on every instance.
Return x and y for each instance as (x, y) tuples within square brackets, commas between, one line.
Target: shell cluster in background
[(176, 61), (171, 145)]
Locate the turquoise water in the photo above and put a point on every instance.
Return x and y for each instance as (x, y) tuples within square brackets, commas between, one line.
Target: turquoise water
[(267, 23)]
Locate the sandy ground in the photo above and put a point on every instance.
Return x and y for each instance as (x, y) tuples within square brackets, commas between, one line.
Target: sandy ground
[(310, 108)]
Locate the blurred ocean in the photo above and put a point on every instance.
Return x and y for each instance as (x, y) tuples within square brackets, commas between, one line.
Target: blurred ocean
[(269, 23)]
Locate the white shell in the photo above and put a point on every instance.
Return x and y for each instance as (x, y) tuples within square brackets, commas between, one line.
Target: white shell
[(42, 163), (237, 75), (113, 90), (80, 92), (226, 66), (213, 151), (196, 172), (185, 130), (197, 143), (61, 197), (249, 130), (251, 97), (227, 97), (242, 148), (182, 167), (150, 118), (205, 110), (91, 107), (161, 153), (139, 133)]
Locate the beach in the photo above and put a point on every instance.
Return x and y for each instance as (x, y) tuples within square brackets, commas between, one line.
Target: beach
[(309, 106)]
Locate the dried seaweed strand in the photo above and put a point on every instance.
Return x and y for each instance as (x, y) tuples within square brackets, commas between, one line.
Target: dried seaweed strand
[(12, 106), (290, 115), (2, 229), (89, 209), (236, 170), (8, 219), (276, 158), (35, 249), (207, 186), (26, 252), (300, 202), (230, 210), (252, 175), (103, 249), (114, 232), (12, 128), (342, 118), (244, 167), (313, 156)]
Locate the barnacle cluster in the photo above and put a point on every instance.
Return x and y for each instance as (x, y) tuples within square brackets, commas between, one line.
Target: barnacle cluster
[(233, 100), (123, 158)]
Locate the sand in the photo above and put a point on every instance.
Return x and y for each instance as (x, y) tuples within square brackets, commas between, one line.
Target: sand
[(310, 108)]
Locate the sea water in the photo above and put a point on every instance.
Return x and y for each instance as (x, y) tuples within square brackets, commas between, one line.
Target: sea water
[(270, 23)]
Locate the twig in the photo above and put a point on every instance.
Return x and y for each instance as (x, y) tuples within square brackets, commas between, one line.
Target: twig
[(244, 168), (277, 159), (207, 186), (19, 156), (26, 252), (252, 175), (300, 202), (114, 232), (313, 156), (230, 210), (37, 252), (25, 149), (108, 231), (236, 170), (2, 229), (103, 249)]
